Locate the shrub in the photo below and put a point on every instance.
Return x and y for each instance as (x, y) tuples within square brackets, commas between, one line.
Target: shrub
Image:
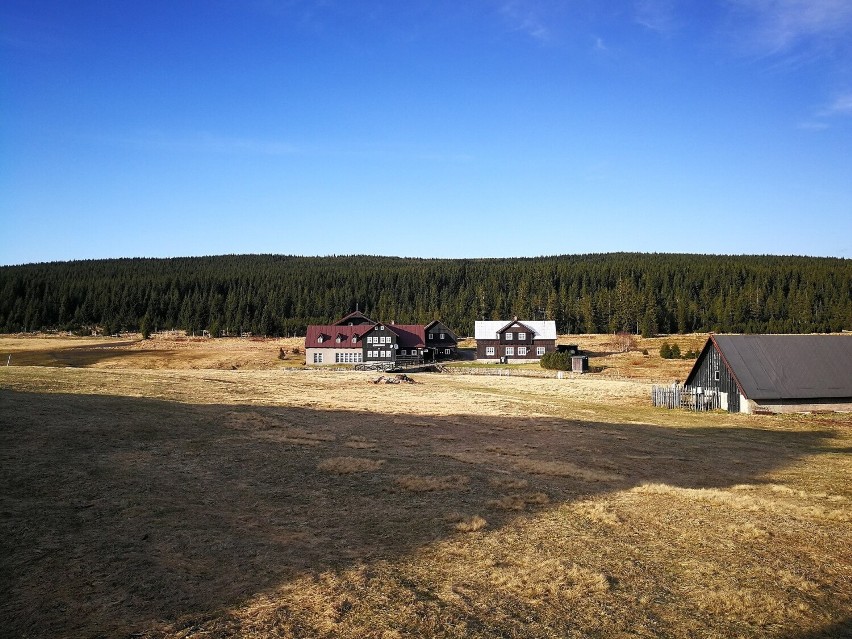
[(675, 351), (556, 361), (666, 351)]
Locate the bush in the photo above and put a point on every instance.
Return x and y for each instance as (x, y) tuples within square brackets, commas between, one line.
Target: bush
[(645, 351), (666, 351), (675, 352), (556, 361)]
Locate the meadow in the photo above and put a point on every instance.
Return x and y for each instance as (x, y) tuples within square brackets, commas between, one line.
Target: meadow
[(180, 488)]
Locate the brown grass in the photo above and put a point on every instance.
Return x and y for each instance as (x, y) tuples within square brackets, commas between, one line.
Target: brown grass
[(418, 484), (471, 524), (346, 465), (164, 503)]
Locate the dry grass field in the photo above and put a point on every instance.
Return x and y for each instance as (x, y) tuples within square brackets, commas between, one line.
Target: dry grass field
[(204, 491)]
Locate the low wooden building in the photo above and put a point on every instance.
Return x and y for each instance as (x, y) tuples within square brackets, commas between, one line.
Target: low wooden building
[(776, 373), (514, 341)]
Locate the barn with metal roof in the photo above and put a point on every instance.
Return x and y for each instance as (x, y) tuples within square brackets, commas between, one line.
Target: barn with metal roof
[(777, 373)]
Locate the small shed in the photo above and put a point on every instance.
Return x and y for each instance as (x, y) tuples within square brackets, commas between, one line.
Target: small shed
[(580, 364), (776, 373)]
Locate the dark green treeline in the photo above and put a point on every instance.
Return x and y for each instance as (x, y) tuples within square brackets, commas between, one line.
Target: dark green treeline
[(281, 295)]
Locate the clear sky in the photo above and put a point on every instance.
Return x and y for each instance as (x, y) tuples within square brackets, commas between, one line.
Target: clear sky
[(424, 128)]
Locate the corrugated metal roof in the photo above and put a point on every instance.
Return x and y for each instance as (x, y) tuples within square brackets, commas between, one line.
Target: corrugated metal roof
[(330, 332), (789, 366), (543, 329)]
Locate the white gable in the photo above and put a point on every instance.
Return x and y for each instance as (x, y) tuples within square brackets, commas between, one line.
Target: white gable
[(543, 329)]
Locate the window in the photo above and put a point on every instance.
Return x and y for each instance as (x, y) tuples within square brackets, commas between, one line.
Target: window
[(443, 335), (489, 350), (510, 351), (387, 353), (358, 358), (318, 358), (508, 337), (381, 328), (717, 375), (522, 336), (431, 335), (404, 352), (522, 351), (319, 339), (338, 340), (539, 350), (354, 338), (447, 351)]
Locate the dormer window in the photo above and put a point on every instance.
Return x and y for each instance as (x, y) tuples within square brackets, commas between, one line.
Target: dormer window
[(354, 338), (319, 339)]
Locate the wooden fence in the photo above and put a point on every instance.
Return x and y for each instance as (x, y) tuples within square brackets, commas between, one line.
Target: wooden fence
[(690, 398)]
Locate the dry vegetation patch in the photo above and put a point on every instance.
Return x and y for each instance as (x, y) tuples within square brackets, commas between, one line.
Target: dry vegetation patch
[(428, 483), (346, 465)]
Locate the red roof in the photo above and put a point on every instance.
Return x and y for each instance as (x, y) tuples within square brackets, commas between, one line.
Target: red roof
[(410, 335), (330, 333)]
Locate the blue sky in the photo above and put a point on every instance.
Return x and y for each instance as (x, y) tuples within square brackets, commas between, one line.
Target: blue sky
[(430, 129)]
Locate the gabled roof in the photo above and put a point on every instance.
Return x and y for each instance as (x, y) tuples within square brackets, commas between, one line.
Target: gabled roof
[(541, 329), (786, 366), (355, 317), (447, 329), (329, 334), (408, 335)]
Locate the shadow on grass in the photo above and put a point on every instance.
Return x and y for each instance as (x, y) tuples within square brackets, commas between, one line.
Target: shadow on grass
[(121, 513)]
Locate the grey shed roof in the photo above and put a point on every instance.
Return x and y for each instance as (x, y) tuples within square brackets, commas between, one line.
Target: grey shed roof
[(789, 366)]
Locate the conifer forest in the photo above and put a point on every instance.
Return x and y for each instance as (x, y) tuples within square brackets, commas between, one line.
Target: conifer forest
[(279, 295)]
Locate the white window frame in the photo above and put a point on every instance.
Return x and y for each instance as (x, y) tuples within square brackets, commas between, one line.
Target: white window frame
[(443, 335), (539, 350), (522, 351), (522, 337), (508, 337), (489, 350), (318, 358), (510, 351)]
